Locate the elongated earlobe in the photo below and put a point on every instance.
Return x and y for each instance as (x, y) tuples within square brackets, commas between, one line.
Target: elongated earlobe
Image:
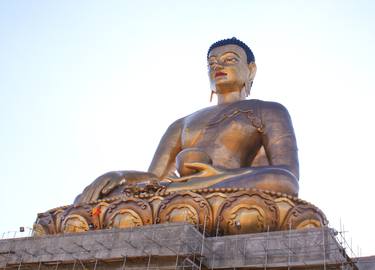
[(247, 90), (248, 85), (212, 94)]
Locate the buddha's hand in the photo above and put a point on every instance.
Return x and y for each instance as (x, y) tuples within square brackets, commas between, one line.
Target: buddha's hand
[(105, 184), (149, 186), (201, 170), (100, 186)]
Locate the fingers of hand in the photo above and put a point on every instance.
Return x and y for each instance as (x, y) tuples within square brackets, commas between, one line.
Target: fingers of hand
[(110, 186), (197, 166)]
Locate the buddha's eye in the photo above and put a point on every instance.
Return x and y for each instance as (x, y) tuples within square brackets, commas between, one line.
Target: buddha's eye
[(230, 60)]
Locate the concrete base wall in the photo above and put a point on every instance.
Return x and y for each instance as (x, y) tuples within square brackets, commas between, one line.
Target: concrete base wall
[(142, 247), (176, 246), (275, 249), (366, 263)]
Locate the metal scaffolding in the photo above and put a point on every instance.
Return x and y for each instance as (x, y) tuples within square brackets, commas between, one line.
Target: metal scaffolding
[(178, 246)]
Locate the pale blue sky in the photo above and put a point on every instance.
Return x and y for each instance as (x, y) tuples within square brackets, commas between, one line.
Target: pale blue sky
[(90, 86)]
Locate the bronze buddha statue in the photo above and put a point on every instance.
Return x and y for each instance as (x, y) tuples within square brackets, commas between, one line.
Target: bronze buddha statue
[(231, 168), (237, 143)]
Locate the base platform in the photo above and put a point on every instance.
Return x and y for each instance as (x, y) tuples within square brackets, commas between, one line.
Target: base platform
[(176, 246)]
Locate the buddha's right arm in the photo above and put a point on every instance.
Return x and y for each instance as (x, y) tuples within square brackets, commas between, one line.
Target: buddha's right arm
[(169, 146)]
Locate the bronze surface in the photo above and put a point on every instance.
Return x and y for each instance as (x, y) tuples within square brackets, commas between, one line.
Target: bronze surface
[(236, 144)]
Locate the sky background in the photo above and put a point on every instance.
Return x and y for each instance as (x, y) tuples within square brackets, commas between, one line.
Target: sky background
[(88, 87)]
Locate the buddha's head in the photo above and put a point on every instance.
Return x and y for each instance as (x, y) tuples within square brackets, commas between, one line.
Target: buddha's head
[(231, 66)]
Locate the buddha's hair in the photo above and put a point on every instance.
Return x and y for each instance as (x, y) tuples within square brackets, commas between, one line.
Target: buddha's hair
[(234, 41)]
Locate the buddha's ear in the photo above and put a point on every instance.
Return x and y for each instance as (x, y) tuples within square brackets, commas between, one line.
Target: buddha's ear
[(253, 71)]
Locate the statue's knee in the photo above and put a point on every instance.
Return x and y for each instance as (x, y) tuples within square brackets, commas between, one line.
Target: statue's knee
[(285, 183), (111, 175)]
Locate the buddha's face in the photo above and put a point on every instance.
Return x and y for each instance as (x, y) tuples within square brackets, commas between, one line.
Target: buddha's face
[(228, 69)]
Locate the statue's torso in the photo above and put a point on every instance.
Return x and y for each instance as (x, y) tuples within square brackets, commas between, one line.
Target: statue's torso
[(226, 132)]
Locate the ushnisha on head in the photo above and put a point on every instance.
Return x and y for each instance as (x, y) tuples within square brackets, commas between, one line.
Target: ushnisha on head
[(231, 66)]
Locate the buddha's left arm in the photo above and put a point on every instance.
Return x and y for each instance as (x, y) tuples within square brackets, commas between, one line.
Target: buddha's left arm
[(278, 138)]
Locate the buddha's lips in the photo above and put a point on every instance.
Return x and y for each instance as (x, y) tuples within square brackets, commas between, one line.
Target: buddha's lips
[(218, 74)]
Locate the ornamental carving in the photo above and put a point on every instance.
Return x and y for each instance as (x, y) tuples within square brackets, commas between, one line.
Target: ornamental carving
[(186, 207), (128, 212), (76, 218), (74, 223), (223, 211), (304, 216), (46, 223), (248, 212)]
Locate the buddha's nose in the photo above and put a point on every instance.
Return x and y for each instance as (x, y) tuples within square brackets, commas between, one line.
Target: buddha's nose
[(217, 67)]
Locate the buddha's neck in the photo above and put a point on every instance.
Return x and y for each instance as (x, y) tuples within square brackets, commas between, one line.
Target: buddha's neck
[(231, 97)]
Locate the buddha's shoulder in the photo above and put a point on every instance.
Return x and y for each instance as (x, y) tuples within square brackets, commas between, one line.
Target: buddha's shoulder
[(243, 104), (257, 105), (203, 111), (193, 116), (262, 105)]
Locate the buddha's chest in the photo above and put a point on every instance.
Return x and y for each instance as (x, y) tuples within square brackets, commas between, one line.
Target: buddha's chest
[(215, 127)]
